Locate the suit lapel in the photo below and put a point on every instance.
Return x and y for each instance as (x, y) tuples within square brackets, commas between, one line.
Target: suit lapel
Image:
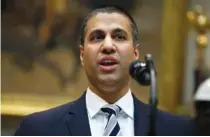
[(141, 118), (77, 122)]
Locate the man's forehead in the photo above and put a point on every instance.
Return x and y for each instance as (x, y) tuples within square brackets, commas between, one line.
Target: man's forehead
[(108, 20)]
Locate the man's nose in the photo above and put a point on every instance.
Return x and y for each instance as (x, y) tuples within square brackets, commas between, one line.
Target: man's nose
[(108, 46)]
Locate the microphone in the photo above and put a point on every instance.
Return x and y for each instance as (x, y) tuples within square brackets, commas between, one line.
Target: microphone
[(144, 74), (138, 70)]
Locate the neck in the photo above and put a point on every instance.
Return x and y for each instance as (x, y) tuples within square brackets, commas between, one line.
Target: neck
[(110, 94)]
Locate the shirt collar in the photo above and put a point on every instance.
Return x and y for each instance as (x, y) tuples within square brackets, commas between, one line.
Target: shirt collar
[(126, 103)]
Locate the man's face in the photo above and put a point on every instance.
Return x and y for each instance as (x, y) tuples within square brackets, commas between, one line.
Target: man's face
[(108, 49)]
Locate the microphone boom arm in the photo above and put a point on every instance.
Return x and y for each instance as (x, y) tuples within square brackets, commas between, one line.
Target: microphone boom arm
[(153, 95)]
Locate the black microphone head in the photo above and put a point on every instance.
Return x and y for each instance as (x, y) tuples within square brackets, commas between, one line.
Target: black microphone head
[(138, 70), (133, 66)]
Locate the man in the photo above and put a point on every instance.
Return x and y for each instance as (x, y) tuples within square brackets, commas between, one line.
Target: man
[(202, 108), (109, 43)]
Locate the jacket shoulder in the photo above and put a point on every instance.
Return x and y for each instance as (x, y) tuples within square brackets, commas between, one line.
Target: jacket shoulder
[(37, 123), (175, 124)]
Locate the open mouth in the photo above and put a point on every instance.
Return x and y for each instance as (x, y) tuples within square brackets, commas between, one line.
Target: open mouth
[(108, 64)]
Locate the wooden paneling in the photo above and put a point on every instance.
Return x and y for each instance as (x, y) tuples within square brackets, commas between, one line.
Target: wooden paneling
[(172, 53)]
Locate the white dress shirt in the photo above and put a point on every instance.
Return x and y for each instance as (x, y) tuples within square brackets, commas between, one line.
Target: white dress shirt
[(98, 120)]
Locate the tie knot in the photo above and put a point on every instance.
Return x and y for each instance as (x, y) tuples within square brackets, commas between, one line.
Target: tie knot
[(111, 109)]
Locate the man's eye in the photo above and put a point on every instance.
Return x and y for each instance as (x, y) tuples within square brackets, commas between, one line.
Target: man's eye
[(119, 37), (97, 38)]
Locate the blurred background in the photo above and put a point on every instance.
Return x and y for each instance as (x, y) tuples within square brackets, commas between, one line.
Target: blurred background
[(40, 65)]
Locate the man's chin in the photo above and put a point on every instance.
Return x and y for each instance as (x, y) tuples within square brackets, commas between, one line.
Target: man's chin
[(109, 79)]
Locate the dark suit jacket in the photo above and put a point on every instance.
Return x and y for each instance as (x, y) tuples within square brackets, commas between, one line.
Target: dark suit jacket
[(72, 119)]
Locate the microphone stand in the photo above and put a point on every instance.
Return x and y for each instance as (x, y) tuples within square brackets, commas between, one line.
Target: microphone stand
[(153, 95)]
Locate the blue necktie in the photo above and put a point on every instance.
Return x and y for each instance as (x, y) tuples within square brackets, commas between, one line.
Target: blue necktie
[(112, 127)]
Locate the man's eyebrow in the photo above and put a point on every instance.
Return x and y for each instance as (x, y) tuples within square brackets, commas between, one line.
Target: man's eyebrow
[(100, 31), (96, 31), (119, 30)]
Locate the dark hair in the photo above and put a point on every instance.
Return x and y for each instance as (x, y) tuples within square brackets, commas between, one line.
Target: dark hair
[(110, 9)]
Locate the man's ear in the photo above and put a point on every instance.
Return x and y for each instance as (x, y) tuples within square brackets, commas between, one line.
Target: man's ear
[(136, 51), (81, 54)]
